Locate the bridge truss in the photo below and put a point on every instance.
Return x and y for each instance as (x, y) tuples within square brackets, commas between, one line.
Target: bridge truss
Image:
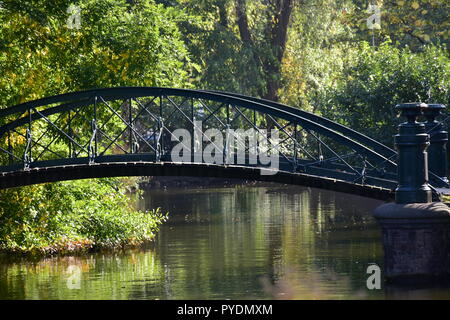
[(130, 131)]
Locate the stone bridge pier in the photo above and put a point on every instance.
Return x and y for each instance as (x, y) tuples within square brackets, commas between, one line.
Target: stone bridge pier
[(415, 229)]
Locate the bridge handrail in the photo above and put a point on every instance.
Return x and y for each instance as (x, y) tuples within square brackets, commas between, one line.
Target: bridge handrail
[(375, 145), (73, 101)]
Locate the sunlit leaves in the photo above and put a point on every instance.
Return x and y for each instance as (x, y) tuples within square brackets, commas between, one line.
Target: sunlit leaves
[(376, 80), (118, 44), (413, 23), (49, 217)]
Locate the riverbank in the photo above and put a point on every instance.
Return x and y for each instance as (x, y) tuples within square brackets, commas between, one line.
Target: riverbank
[(73, 217), (73, 249)]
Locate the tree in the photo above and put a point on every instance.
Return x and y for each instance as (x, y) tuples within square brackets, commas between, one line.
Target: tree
[(376, 80), (241, 43), (273, 41), (319, 46), (118, 44)]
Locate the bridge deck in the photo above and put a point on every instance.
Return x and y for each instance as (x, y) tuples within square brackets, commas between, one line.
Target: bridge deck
[(84, 171)]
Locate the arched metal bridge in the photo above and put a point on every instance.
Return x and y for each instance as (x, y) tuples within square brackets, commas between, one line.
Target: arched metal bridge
[(130, 131)]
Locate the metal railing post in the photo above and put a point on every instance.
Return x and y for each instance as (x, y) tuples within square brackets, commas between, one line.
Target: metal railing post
[(437, 151), (411, 143)]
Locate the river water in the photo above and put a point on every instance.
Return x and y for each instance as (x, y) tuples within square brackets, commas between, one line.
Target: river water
[(271, 242)]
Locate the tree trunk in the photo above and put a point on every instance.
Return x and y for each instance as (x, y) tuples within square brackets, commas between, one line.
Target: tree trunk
[(278, 17), (277, 37)]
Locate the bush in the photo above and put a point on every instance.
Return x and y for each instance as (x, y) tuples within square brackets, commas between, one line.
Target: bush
[(66, 216), (365, 94)]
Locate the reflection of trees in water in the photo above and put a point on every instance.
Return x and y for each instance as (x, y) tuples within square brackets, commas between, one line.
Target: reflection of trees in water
[(252, 242), (103, 276), (348, 233), (258, 234)]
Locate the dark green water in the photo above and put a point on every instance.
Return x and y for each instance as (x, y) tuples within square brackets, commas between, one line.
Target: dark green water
[(279, 242)]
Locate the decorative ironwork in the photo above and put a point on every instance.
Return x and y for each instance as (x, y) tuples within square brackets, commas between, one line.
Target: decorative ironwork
[(136, 124), (92, 143), (27, 154)]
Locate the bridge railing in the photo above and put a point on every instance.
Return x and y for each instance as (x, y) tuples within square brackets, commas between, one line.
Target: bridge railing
[(140, 124)]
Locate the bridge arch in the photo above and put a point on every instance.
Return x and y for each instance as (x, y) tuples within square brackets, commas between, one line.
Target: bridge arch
[(117, 127), (141, 168)]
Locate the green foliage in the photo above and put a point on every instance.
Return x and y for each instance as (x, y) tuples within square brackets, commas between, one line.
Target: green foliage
[(316, 52), (118, 44), (240, 43), (65, 216), (369, 87), (413, 23), (213, 40)]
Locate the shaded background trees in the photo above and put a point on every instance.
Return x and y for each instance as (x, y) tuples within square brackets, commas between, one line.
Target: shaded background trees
[(240, 43)]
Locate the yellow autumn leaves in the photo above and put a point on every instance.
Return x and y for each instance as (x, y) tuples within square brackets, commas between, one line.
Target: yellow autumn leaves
[(118, 64), (415, 5)]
